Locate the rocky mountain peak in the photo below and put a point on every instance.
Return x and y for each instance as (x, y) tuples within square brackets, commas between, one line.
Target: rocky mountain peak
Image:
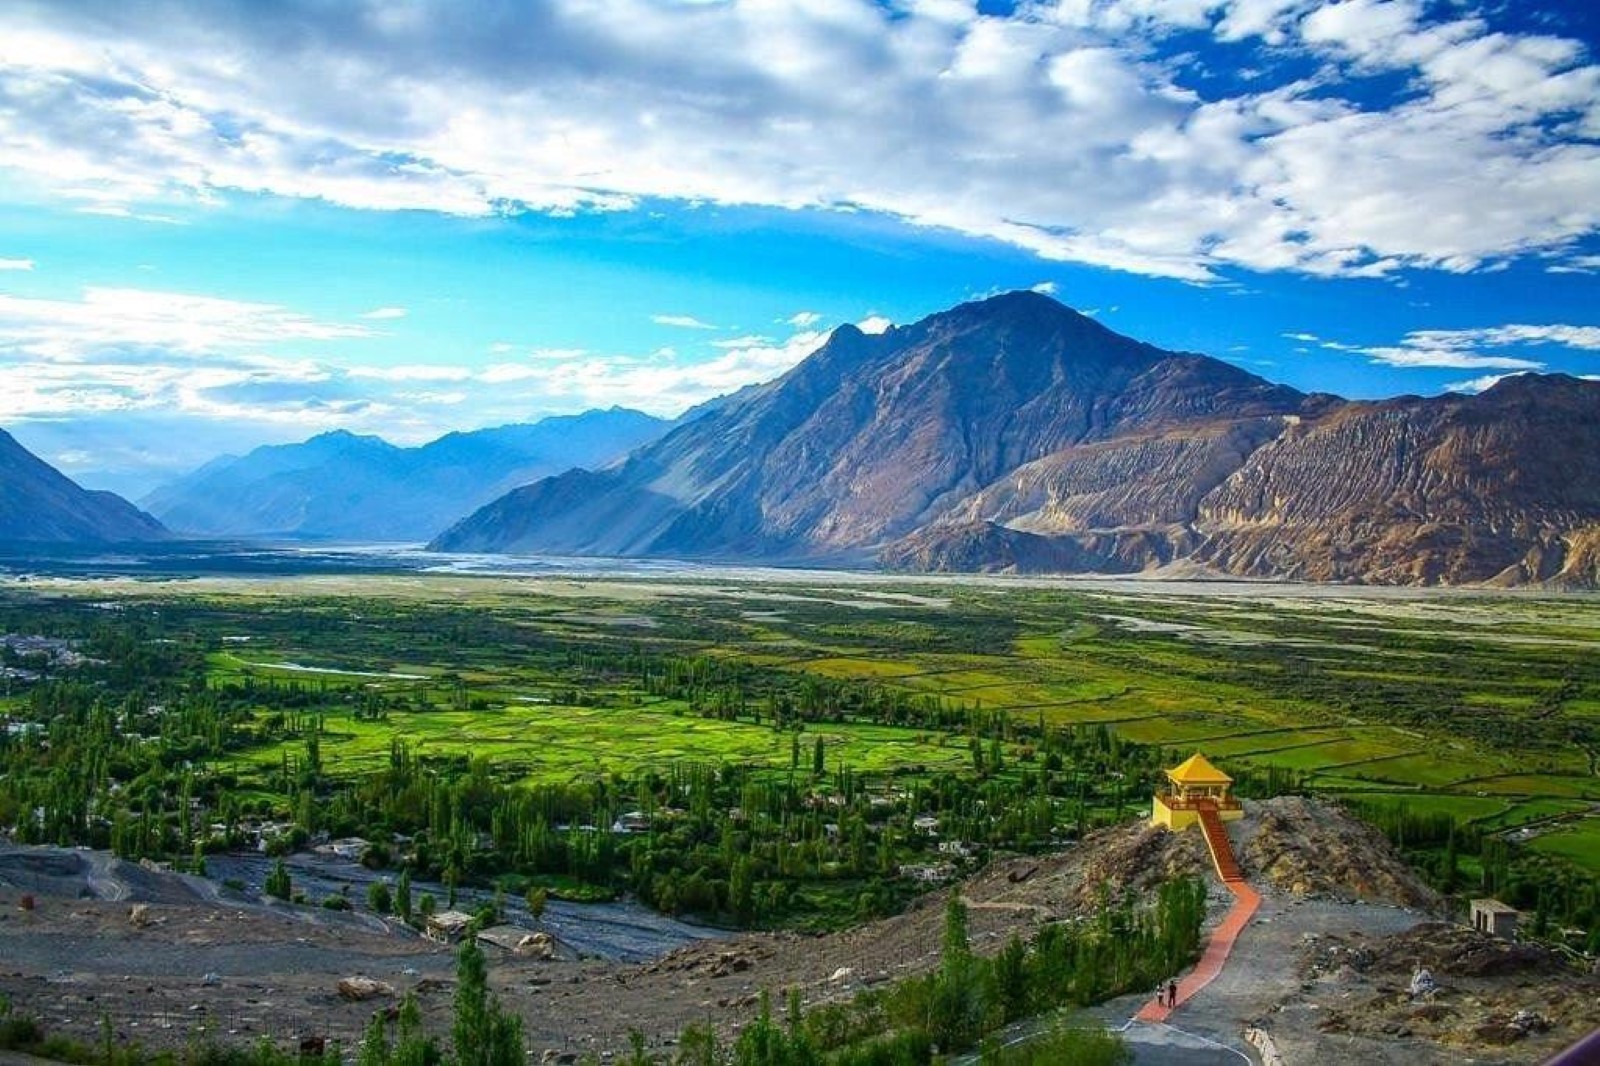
[(1015, 433)]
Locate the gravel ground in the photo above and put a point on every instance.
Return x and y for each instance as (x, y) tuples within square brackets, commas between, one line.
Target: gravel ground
[(243, 970), (1259, 975)]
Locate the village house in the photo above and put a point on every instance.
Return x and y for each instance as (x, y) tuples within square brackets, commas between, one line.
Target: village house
[(932, 873), (632, 822), (1495, 918), (349, 849)]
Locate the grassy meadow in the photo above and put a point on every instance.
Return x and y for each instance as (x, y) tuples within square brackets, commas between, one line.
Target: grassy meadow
[(1483, 706)]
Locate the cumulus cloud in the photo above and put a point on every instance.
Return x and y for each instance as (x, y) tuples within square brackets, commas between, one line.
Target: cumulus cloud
[(16, 264), (383, 313), (875, 324), (1066, 127)]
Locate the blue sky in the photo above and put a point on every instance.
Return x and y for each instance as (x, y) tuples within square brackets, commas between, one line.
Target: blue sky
[(224, 224)]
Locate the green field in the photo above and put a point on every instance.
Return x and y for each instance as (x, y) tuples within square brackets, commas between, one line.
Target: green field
[(1486, 707)]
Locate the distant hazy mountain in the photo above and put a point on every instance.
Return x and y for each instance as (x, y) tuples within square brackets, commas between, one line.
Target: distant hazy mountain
[(39, 503), (339, 485), (1015, 434)]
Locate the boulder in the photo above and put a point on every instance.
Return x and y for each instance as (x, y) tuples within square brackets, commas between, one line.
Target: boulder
[(357, 989)]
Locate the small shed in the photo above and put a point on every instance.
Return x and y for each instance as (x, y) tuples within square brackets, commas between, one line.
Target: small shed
[(447, 927), (1495, 918)]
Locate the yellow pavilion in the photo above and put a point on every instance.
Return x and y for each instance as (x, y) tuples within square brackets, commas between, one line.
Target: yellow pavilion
[(1194, 785)]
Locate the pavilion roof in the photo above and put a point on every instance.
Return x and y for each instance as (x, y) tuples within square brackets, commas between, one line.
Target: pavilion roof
[(1197, 770)]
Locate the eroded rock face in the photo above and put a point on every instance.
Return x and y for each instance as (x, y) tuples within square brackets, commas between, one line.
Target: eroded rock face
[(1307, 847), (1015, 434)]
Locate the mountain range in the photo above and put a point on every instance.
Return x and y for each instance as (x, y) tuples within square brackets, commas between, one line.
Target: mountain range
[(1015, 434), (38, 503), (343, 486)]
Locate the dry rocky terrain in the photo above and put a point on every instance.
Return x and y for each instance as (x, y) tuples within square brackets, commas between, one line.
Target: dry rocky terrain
[(1325, 969)]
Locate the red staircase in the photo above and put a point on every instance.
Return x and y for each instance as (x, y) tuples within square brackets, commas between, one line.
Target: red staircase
[(1217, 841), (1220, 945)]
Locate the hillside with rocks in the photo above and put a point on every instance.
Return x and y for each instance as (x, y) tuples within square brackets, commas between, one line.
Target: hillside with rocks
[(1014, 434), (1325, 968)]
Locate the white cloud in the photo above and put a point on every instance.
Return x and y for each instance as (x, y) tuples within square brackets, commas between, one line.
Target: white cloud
[(114, 318), (1484, 348), (875, 324), (16, 264), (659, 384), (1267, 19), (681, 322), (1048, 288), (1447, 359), (123, 211), (201, 374), (1062, 128), (1577, 264), (803, 319), (414, 372), (1586, 338), (383, 313), (1481, 384)]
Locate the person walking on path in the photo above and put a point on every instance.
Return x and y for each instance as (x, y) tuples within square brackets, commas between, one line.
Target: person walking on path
[(1172, 994)]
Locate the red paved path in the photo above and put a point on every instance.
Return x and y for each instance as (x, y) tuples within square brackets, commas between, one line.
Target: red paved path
[(1220, 946)]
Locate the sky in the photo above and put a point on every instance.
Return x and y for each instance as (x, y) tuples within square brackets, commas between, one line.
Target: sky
[(225, 223)]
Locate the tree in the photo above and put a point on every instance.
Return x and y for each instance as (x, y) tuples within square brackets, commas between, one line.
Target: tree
[(483, 1033), (956, 1005), (402, 895), (278, 882), (698, 1046), (375, 1050), (741, 890), (536, 899), (819, 758), (1011, 979), (378, 897)]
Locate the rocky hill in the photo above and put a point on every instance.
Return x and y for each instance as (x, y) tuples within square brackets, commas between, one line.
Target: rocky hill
[(346, 486), (39, 503), (1015, 434)]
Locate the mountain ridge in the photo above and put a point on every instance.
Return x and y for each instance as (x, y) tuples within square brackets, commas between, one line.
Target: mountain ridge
[(1013, 433), (344, 485), (39, 503)]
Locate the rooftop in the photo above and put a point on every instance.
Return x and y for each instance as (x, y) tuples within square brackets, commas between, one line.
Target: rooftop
[(1197, 770)]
